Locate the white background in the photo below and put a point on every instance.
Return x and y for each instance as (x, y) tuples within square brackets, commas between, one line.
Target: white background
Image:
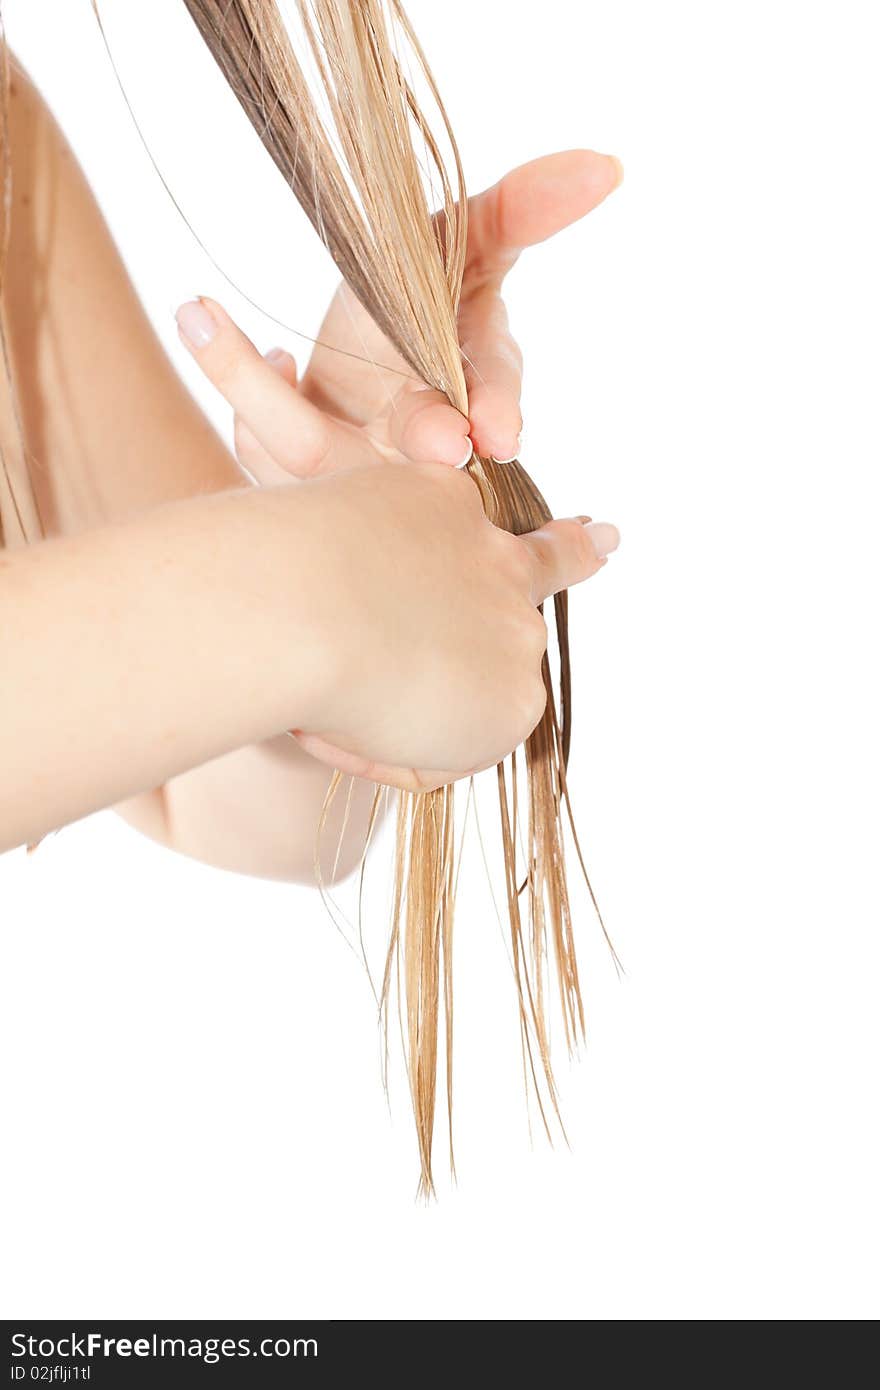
[(194, 1119)]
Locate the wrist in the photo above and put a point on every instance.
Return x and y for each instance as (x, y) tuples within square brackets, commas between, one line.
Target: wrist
[(282, 539)]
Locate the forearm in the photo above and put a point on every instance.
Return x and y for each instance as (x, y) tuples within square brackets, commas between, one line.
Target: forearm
[(135, 652), (258, 810)]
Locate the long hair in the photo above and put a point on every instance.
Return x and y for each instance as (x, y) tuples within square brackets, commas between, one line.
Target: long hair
[(352, 139)]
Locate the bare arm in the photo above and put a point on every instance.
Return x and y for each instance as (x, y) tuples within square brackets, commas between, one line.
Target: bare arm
[(113, 433), (119, 669), (136, 650)]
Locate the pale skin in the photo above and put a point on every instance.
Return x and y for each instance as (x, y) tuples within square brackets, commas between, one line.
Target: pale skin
[(179, 621)]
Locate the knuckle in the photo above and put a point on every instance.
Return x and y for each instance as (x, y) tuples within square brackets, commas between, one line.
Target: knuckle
[(516, 557), (543, 564), (312, 460), (578, 540), (533, 704), (514, 354), (534, 632), (524, 698)]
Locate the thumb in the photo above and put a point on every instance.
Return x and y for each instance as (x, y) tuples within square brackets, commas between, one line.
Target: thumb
[(283, 363)]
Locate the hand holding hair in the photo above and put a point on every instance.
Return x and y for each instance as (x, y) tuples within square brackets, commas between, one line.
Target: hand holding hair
[(446, 601), (436, 626), (384, 607), (375, 609), (422, 288), (346, 414), (343, 398)]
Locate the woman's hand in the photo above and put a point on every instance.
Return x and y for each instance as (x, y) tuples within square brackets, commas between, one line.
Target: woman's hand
[(441, 652), (430, 637), (346, 411)]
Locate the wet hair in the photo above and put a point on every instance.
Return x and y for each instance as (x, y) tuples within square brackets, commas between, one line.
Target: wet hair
[(344, 113)]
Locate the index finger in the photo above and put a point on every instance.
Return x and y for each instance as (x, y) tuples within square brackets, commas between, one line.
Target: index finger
[(292, 431)]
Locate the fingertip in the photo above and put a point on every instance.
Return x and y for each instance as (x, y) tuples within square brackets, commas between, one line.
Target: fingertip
[(453, 449), (468, 454), (513, 455), (284, 363), (196, 324), (216, 310), (604, 537), (550, 193), (496, 423), (602, 175), (436, 433)]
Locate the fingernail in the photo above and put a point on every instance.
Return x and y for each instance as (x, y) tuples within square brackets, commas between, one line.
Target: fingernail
[(618, 170), (514, 456), (276, 355), (468, 456), (604, 537), (196, 324)]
